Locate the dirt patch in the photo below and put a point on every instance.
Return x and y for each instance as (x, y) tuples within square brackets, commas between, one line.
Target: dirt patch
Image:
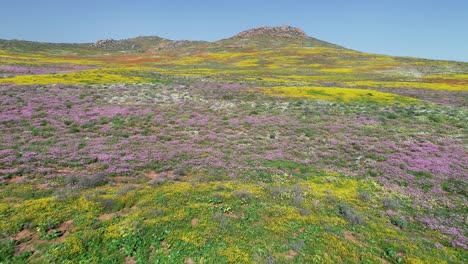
[(18, 179), (291, 255), (27, 239), (24, 247), (153, 175), (130, 260), (165, 246), (194, 221), (41, 186), (164, 176), (350, 236), (105, 217), (24, 235), (230, 215), (121, 179), (189, 261), (156, 178), (64, 228)]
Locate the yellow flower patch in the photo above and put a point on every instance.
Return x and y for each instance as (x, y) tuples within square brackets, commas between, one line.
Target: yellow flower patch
[(337, 70), (247, 63), (345, 95), (81, 77), (234, 255), (410, 85)]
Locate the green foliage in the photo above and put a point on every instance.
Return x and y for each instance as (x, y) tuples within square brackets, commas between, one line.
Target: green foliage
[(224, 221), (51, 234), (350, 214), (421, 174), (391, 203), (399, 222), (7, 250), (455, 187), (364, 195), (244, 175)]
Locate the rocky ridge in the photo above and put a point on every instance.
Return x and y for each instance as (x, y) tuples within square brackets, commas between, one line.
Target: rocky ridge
[(114, 44), (282, 31)]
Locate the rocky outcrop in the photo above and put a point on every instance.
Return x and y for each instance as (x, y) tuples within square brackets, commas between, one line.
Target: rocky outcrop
[(171, 45), (114, 44), (283, 31)]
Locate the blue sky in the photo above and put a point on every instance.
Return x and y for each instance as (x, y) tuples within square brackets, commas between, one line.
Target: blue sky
[(429, 29)]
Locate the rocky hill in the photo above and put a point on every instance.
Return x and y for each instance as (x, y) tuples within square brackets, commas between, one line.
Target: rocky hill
[(284, 31), (262, 38)]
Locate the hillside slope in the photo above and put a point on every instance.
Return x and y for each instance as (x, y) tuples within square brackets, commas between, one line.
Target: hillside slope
[(267, 147)]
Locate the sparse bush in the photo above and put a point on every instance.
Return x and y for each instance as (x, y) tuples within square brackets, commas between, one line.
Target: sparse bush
[(95, 224), (124, 190), (297, 196), (330, 199), (216, 198), (265, 257), (280, 192), (64, 194), (350, 214), (390, 204), (92, 181), (297, 245), (72, 180), (270, 259), (244, 195), (227, 97), (178, 173), (27, 225), (222, 221), (108, 204), (304, 211), (364, 195), (399, 222), (156, 212)]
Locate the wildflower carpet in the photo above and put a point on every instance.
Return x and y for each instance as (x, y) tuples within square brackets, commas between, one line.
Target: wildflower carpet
[(260, 148)]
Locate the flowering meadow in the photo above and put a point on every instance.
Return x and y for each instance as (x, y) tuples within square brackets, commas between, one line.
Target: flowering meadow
[(232, 154)]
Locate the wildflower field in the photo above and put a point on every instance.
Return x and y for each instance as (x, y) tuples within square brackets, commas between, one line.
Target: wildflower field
[(255, 151)]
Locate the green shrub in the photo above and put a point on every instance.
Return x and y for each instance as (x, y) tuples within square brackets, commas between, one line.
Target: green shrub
[(7, 250), (364, 195), (455, 187), (390, 204), (92, 181), (399, 222), (350, 214)]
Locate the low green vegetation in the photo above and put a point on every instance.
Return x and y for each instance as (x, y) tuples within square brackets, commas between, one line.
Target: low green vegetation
[(252, 149), (319, 217)]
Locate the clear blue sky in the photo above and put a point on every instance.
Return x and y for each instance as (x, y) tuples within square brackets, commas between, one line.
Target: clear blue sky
[(419, 28)]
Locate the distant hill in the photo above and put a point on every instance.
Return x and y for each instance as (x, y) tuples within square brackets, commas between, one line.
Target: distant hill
[(261, 38)]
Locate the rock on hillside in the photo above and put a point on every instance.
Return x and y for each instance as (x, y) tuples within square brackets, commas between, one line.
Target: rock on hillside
[(114, 44), (283, 31), (171, 45)]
